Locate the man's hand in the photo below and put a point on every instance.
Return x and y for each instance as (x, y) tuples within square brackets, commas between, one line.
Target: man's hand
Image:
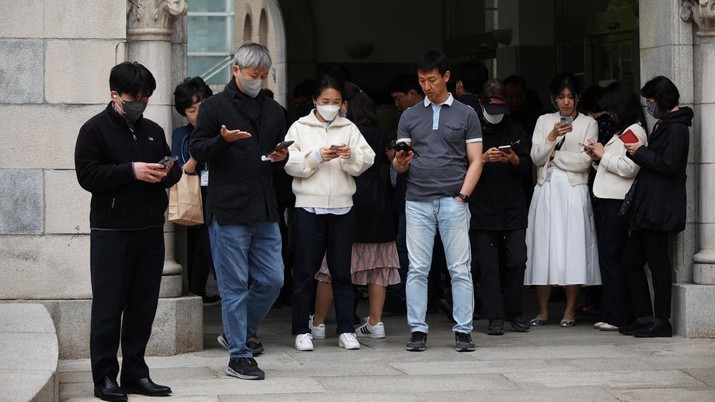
[(494, 154), (151, 172), (278, 156), (402, 161), (233, 135)]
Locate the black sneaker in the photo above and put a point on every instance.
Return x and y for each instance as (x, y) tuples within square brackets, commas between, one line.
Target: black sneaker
[(633, 327), (214, 300), (496, 327), (519, 324), (255, 345), (245, 368), (418, 342), (464, 342)]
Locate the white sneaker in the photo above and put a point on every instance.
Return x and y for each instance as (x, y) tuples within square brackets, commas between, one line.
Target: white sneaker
[(599, 324), (376, 331), (348, 341), (304, 342), (608, 327), (317, 332)]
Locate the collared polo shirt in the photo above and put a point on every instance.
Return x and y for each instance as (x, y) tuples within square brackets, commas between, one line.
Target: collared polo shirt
[(439, 134)]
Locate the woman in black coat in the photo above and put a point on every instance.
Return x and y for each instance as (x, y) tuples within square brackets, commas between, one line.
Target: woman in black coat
[(657, 207)]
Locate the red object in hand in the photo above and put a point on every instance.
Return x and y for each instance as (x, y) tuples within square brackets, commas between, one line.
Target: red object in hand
[(628, 137)]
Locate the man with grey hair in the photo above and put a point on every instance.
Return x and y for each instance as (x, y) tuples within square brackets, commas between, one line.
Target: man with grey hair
[(237, 132)]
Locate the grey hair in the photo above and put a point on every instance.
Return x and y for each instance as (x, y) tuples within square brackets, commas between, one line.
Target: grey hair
[(253, 55)]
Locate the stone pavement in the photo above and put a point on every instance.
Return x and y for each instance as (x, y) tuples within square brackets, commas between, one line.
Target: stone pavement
[(546, 364)]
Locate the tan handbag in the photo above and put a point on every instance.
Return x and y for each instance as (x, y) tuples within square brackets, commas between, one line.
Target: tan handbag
[(185, 206)]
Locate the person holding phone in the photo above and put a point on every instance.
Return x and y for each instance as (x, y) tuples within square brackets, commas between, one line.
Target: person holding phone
[(657, 208), (233, 130), (499, 213), (615, 172), (561, 237), (116, 159), (327, 154)]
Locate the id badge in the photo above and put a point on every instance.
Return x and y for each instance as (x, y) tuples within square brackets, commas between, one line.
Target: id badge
[(549, 171), (204, 178)]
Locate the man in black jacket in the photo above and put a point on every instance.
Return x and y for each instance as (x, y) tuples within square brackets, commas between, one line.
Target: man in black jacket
[(116, 159), (237, 132)]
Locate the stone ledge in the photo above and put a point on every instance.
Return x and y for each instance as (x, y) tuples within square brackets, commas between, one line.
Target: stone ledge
[(28, 364), (692, 312)]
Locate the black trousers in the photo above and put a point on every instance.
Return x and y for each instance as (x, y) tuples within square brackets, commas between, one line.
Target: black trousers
[(199, 261), (126, 268), (612, 232), (486, 251), (646, 246), (317, 236)]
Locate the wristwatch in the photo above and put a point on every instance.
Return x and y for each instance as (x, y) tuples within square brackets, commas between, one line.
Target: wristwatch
[(464, 197)]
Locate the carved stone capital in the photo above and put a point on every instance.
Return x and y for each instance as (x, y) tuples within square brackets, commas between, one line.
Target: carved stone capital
[(152, 19), (702, 12)]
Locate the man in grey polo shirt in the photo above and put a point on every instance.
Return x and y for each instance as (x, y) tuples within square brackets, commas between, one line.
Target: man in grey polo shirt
[(444, 165)]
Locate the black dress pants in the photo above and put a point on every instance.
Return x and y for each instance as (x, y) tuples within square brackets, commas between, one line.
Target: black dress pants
[(612, 232), (317, 236), (199, 262), (646, 246), (126, 267), (486, 245)]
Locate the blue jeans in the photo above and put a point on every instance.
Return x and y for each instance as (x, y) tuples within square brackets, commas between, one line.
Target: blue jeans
[(452, 219), (249, 272)]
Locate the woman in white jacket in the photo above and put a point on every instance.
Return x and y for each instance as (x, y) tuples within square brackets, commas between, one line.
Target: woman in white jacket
[(327, 153), (615, 172), (561, 238)]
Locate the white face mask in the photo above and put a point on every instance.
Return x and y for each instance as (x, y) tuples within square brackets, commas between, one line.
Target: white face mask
[(328, 112), (492, 118), (251, 87)]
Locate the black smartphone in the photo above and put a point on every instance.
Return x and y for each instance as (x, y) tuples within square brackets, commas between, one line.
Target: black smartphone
[(168, 159), (281, 146), (403, 146), (335, 147)]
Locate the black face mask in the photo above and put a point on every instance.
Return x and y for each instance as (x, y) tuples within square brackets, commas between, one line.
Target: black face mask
[(133, 109)]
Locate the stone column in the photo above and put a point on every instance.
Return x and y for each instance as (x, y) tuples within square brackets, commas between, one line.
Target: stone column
[(149, 34), (703, 14)]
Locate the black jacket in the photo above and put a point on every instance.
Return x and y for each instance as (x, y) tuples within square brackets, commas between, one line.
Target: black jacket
[(240, 184), (498, 201), (659, 199), (105, 150)]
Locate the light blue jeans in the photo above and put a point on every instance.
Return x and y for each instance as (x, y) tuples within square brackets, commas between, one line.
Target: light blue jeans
[(452, 219), (249, 272)]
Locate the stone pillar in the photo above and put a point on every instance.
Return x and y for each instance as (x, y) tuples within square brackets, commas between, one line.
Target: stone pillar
[(703, 14), (149, 32)]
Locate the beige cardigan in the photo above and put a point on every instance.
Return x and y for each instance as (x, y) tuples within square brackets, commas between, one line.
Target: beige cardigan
[(571, 157), (616, 171)]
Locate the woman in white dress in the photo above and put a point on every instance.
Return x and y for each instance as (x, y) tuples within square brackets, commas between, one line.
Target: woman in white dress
[(561, 237)]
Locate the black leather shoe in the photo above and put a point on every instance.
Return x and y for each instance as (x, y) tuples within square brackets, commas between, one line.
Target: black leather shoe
[(108, 390), (145, 386), (633, 327), (519, 324), (659, 329)]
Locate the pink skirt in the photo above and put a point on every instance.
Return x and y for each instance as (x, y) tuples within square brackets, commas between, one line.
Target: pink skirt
[(372, 263)]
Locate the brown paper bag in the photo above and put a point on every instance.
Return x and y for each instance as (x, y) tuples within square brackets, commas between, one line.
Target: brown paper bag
[(185, 207)]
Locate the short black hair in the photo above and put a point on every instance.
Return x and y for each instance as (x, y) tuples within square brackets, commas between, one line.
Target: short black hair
[(329, 81), (433, 59), (473, 74), (190, 91), (515, 80), (404, 82), (664, 92), (590, 97), (132, 78), (361, 109), (623, 104), (565, 80)]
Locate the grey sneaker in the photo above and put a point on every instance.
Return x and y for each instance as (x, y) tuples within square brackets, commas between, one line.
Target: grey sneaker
[(464, 342), (223, 341), (418, 342), (244, 368)]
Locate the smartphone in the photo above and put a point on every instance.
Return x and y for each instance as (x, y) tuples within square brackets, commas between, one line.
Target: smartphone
[(281, 146), (567, 119), (505, 148), (583, 145), (403, 146), (335, 147), (168, 159)]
